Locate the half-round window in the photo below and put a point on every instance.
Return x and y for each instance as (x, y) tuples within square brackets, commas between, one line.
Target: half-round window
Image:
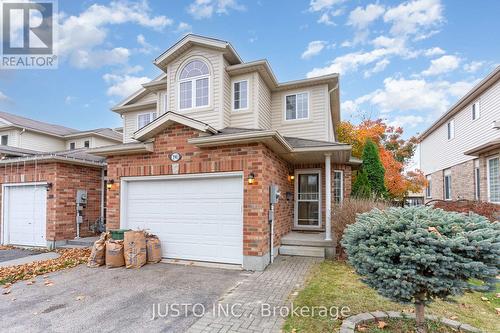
[(193, 69), (194, 84)]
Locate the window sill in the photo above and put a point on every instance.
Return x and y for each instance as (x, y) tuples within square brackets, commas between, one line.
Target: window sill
[(296, 121), (242, 111)]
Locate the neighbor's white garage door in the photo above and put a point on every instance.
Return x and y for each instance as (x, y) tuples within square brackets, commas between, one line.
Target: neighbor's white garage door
[(24, 209), (195, 218)]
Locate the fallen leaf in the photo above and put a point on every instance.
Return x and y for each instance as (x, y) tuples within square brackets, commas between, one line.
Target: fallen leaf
[(453, 317), (484, 298), (80, 297), (497, 295), (48, 283), (13, 299), (29, 283), (382, 324), (362, 328), (6, 291), (45, 276), (7, 285), (497, 310)]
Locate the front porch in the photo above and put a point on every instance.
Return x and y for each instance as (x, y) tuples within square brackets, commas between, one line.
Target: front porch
[(307, 244)]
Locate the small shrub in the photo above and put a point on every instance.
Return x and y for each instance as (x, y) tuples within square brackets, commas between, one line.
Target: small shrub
[(418, 254), (344, 215)]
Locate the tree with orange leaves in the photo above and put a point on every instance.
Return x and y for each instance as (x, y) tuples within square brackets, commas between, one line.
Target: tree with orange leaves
[(395, 152)]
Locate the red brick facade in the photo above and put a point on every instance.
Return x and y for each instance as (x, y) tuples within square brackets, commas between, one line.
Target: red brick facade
[(66, 179), (249, 158)]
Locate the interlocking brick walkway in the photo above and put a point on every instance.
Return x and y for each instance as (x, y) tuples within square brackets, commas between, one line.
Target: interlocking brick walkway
[(272, 286)]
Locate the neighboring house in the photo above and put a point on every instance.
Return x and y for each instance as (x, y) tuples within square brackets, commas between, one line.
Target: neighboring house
[(460, 152), (44, 170), (24, 133), (204, 142)]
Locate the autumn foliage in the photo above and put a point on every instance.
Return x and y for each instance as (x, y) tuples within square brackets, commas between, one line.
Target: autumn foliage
[(395, 152)]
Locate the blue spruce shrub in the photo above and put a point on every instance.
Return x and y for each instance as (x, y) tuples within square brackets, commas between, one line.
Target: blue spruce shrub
[(415, 255)]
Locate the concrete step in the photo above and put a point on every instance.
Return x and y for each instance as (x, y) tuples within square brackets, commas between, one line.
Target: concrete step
[(305, 239), (69, 246), (86, 241), (302, 251)]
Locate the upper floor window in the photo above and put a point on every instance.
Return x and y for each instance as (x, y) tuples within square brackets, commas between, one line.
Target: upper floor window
[(5, 140), (86, 144), (240, 95), (475, 111), (72, 145), (194, 85), (297, 106), (451, 129), (428, 189), (145, 118)]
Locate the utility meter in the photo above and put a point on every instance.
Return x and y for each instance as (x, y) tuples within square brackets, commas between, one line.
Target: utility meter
[(274, 194)]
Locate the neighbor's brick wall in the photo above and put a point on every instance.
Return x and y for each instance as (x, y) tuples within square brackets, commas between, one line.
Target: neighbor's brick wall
[(462, 180), (253, 157), (61, 198)]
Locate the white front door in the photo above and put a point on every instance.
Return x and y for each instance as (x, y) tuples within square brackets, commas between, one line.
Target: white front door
[(308, 198), (24, 209), (195, 217)]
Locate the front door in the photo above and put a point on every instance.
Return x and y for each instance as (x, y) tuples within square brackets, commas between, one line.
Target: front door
[(307, 199)]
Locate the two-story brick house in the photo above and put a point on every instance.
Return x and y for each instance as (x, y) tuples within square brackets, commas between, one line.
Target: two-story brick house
[(204, 142), (460, 152)]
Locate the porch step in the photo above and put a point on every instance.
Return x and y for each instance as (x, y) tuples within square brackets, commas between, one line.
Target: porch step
[(302, 251), (306, 239), (85, 241)]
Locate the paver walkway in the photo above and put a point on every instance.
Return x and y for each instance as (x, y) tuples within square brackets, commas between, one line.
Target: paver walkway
[(253, 297)]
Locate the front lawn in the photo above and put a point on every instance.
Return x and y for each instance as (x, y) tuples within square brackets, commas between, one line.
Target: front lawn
[(336, 284)]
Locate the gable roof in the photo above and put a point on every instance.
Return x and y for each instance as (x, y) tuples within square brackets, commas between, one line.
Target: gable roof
[(40, 126), (475, 92), (191, 40), (63, 132), (167, 119)]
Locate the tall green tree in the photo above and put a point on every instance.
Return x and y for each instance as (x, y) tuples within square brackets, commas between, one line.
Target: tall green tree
[(361, 187), (373, 168)]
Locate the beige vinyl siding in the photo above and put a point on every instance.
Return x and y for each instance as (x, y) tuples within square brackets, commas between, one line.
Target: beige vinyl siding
[(160, 105), (438, 153), (314, 128), (95, 141), (41, 142), (211, 114), (227, 85), (13, 139), (263, 100), (246, 118), (130, 124)]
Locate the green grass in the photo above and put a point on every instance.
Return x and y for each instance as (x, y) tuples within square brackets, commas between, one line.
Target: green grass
[(335, 284)]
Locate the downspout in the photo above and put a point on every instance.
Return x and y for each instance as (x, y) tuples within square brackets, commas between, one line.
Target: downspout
[(102, 195)]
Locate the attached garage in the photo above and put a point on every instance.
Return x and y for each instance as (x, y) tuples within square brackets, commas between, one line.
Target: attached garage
[(24, 214), (196, 217)]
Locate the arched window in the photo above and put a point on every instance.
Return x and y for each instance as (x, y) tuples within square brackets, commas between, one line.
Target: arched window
[(194, 85)]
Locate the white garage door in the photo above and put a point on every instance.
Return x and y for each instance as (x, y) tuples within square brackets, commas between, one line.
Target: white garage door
[(25, 215), (195, 218)]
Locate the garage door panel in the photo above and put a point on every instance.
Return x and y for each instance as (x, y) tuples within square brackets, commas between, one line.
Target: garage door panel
[(25, 215), (196, 219)]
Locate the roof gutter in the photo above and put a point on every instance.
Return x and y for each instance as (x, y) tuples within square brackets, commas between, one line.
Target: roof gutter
[(124, 149), (52, 158)]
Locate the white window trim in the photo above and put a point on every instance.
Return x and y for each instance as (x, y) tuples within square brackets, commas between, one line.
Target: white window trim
[(72, 143), (165, 102), (152, 116), (488, 176), (296, 202), (248, 95), (478, 111), (452, 131), (447, 173), (341, 185), (193, 86), (429, 186), (308, 106)]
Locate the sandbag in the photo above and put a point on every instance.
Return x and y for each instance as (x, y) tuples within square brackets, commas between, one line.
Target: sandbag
[(153, 249), (97, 256), (134, 246), (114, 253)]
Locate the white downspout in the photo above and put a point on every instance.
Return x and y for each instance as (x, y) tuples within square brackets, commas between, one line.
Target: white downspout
[(102, 195), (328, 197)]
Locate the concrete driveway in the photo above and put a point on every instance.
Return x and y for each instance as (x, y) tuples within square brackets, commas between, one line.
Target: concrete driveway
[(16, 253), (111, 300)]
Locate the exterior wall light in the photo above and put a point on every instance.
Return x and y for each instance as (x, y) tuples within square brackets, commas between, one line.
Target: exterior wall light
[(109, 184), (49, 186), (251, 178), (291, 178)]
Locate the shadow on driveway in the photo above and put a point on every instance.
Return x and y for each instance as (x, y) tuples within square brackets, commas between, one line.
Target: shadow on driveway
[(110, 300), (11, 254)]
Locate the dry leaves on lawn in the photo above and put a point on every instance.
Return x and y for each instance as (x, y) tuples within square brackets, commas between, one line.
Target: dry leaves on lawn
[(382, 324), (69, 258), (6, 247)]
